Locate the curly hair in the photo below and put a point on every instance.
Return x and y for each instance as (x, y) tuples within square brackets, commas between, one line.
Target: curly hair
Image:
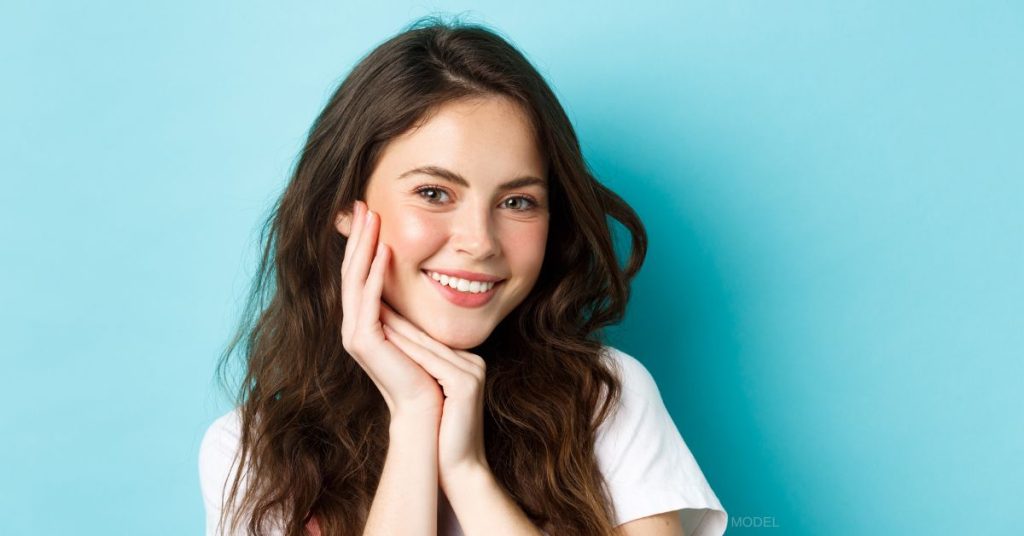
[(314, 426)]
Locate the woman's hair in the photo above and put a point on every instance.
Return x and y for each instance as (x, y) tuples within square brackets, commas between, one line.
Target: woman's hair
[(314, 427)]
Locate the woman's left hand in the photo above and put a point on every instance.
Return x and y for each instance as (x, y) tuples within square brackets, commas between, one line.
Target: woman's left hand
[(461, 375)]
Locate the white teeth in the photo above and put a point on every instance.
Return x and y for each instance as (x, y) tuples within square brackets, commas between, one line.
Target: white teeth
[(463, 285)]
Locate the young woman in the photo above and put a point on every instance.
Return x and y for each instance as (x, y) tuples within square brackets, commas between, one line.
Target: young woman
[(423, 346)]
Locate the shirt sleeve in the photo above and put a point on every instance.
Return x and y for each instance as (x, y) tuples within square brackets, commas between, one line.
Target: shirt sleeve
[(648, 467)]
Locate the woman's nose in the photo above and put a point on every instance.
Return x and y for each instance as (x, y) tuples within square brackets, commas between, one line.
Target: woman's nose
[(474, 233)]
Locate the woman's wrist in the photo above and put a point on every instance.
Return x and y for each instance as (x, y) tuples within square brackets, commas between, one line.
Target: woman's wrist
[(415, 423), (466, 476)]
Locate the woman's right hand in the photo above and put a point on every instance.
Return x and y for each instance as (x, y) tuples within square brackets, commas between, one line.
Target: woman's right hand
[(406, 387)]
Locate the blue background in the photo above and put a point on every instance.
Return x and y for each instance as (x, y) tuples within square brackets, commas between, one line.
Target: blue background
[(832, 304)]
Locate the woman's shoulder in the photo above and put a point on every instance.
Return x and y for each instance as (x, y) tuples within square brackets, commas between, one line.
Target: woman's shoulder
[(218, 466), (221, 436), (645, 460), (634, 376), (220, 442), (638, 388), (217, 456)]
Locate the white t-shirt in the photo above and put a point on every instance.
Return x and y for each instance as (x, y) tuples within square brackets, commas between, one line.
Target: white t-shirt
[(648, 467)]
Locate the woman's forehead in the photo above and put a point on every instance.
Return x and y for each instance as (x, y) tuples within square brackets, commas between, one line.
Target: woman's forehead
[(484, 141)]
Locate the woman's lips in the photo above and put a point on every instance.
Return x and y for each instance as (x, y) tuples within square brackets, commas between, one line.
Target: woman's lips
[(463, 299)]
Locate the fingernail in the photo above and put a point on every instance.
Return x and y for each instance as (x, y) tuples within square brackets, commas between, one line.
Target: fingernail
[(369, 214)]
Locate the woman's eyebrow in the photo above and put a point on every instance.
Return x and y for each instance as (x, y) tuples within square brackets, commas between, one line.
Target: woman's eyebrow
[(453, 177)]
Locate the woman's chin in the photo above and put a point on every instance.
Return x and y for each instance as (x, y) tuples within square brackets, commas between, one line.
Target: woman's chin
[(448, 332), (463, 341), (458, 339)]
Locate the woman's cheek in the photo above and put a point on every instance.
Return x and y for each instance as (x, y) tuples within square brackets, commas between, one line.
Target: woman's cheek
[(418, 234), (528, 245)]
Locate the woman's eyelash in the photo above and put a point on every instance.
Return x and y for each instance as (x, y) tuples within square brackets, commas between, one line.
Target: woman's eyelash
[(533, 202), (422, 189)]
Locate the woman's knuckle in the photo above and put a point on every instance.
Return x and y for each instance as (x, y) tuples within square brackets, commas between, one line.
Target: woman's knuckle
[(468, 382)]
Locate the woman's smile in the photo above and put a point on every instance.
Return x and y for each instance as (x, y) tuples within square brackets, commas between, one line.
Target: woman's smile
[(462, 294)]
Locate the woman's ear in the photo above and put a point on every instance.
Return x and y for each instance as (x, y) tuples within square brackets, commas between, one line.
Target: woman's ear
[(343, 222)]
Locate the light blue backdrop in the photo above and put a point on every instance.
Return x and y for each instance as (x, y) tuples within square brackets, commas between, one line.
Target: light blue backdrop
[(832, 304)]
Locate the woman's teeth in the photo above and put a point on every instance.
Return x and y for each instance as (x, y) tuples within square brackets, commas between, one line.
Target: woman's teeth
[(462, 285)]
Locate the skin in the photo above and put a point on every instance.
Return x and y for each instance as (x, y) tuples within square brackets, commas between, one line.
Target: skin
[(417, 339), (663, 524), (487, 141)]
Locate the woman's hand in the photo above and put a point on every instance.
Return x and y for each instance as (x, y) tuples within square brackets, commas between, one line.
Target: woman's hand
[(461, 374), (406, 387)]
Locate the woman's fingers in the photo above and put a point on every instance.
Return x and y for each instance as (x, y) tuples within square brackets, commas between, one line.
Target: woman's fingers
[(358, 216), (466, 361), (355, 276), (369, 309), (351, 288), (362, 255), (445, 371)]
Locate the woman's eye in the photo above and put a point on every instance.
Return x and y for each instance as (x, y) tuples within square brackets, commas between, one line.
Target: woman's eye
[(431, 199), (530, 203)]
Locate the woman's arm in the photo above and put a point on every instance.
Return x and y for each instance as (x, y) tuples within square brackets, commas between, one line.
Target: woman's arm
[(663, 524), (406, 498), (483, 507)]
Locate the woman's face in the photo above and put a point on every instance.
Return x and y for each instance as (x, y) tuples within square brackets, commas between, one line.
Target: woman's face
[(445, 207)]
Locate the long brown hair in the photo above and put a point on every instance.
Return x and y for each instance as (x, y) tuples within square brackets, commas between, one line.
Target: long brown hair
[(314, 427)]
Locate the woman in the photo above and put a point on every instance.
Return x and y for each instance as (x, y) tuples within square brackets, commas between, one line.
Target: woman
[(430, 360)]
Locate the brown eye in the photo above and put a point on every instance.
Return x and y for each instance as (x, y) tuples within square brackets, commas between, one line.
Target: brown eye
[(531, 204), (431, 199)]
